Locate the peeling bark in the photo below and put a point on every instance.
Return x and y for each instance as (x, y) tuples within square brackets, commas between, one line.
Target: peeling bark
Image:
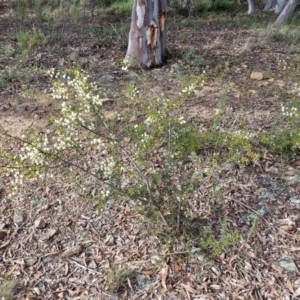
[(147, 36), (280, 6), (287, 12), (270, 6), (251, 7)]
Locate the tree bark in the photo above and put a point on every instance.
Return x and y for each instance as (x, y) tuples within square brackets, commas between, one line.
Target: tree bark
[(280, 6), (147, 36), (251, 7), (287, 12), (270, 6)]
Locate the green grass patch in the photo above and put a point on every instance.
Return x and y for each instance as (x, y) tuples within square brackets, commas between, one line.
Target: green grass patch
[(29, 41)]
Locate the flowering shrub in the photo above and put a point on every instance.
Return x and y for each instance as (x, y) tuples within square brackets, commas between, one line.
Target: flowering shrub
[(149, 158)]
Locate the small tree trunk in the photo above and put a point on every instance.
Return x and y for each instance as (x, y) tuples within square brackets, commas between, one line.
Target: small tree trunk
[(185, 4), (251, 7), (147, 37), (280, 6), (287, 12), (270, 6)]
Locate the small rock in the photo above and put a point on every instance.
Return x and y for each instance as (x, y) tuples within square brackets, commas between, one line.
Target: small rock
[(294, 199), (40, 224), (31, 261), (5, 201), (61, 295), (175, 66), (288, 264), (257, 76), (50, 233), (254, 92), (74, 56), (3, 234), (110, 240), (61, 62), (142, 281), (106, 78), (44, 207), (280, 83), (39, 56), (19, 217), (265, 83), (76, 250), (92, 264)]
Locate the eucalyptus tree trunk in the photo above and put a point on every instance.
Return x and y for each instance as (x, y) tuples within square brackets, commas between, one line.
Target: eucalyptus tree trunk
[(270, 6), (287, 12), (280, 6), (147, 36), (251, 7)]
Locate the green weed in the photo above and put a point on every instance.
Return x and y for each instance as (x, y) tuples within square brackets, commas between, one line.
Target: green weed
[(7, 289), (105, 35), (215, 243), (30, 41), (194, 57), (116, 278), (122, 8), (9, 51)]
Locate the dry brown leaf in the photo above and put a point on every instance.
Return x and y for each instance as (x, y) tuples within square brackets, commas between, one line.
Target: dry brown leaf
[(189, 288), (287, 227), (289, 286), (277, 268), (76, 250), (129, 284), (50, 233), (38, 275), (147, 272), (248, 266), (66, 269), (139, 262), (164, 275), (297, 292)]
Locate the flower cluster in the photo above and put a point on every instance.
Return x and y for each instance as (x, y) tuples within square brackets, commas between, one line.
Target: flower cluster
[(188, 90), (290, 111), (126, 63), (244, 134)]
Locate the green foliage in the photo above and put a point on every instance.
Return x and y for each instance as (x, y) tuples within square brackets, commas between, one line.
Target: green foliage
[(195, 6), (122, 8), (7, 289), (9, 51), (116, 278), (285, 140), (30, 41), (230, 146), (194, 57), (149, 159), (113, 33), (20, 10), (4, 79), (214, 243)]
